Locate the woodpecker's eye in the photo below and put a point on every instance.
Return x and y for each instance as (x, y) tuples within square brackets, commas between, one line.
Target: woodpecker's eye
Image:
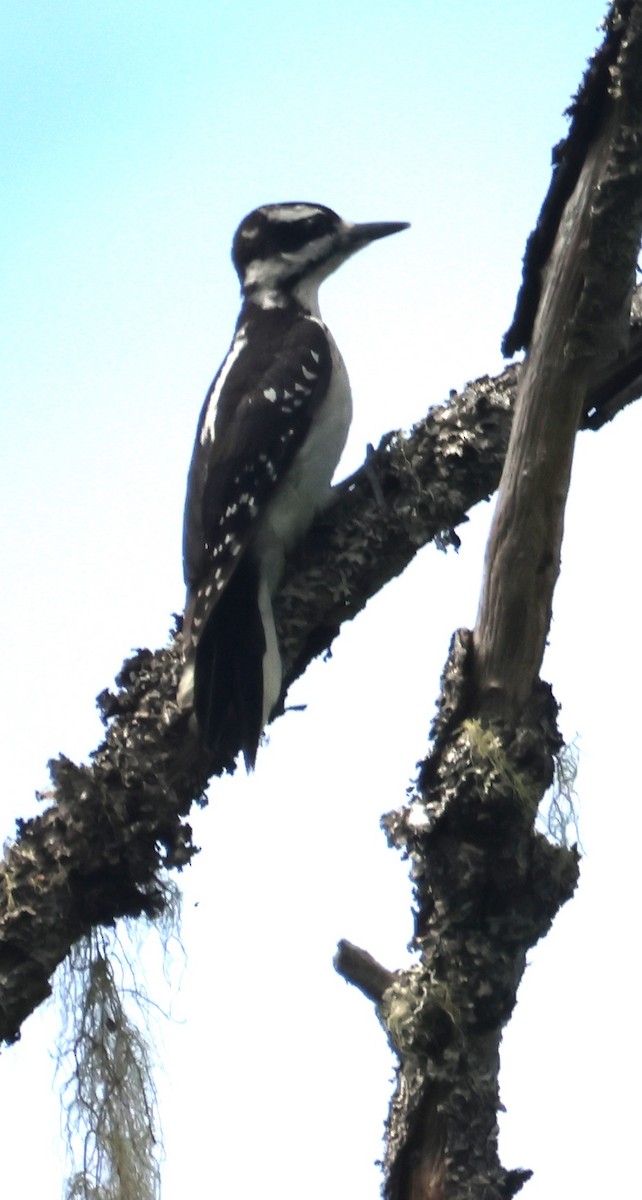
[(293, 235)]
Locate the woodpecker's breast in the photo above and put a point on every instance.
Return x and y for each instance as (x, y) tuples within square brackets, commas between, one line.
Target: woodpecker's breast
[(306, 488)]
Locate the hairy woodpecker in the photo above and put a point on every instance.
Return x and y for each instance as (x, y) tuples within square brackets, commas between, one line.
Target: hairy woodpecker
[(269, 437)]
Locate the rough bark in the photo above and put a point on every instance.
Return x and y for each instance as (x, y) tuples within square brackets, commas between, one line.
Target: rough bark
[(487, 886)]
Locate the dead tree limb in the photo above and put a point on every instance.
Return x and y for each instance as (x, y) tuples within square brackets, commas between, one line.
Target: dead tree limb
[(487, 886)]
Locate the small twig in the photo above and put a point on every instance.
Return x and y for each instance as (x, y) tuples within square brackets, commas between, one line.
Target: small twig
[(362, 970)]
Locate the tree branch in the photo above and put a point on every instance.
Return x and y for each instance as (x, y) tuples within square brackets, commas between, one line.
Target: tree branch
[(359, 968), (582, 322), (487, 886)]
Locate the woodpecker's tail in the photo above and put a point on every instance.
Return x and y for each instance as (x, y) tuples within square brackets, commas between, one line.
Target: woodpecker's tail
[(233, 655)]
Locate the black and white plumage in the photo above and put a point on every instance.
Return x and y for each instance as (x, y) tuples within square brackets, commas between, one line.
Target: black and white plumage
[(269, 437)]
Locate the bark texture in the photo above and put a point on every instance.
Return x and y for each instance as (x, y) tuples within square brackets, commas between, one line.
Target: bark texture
[(487, 885)]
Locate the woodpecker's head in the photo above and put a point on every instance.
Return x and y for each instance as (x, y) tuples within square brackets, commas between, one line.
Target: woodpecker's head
[(283, 250)]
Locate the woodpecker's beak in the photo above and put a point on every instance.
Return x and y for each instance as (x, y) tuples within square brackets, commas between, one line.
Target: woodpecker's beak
[(361, 235)]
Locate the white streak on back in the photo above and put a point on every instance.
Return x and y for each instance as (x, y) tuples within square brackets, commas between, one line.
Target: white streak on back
[(235, 350)]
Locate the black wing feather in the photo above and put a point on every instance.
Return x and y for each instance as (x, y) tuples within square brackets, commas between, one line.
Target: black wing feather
[(255, 439)]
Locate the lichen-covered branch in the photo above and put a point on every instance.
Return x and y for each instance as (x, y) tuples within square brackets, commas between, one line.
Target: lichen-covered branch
[(428, 480), (95, 852), (487, 887)]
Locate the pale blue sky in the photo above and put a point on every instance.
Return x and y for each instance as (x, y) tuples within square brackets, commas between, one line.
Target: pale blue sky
[(133, 138)]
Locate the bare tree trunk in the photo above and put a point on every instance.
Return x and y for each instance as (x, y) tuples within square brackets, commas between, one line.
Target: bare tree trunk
[(487, 885)]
